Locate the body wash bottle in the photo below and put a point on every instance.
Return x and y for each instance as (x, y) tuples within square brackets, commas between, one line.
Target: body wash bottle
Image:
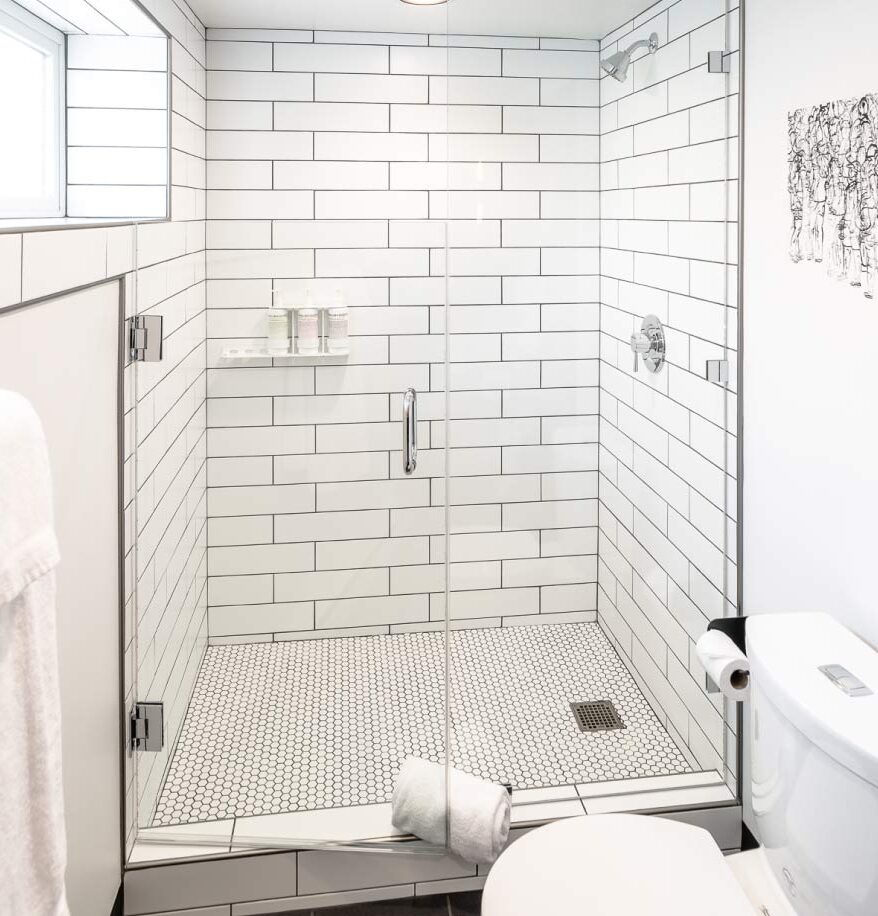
[(307, 328), (278, 326)]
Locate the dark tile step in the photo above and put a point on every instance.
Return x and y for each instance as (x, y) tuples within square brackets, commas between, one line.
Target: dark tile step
[(419, 906), (468, 904)]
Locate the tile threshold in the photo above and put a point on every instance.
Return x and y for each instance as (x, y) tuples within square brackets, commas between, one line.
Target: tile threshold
[(243, 835)]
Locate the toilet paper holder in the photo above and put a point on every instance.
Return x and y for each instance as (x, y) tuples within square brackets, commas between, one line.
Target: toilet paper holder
[(736, 629), (711, 687)]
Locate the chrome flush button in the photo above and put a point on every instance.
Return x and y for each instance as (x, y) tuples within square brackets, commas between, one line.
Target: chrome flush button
[(845, 681)]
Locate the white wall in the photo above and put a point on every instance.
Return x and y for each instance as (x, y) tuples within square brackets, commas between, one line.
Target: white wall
[(81, 335), (810, 440)]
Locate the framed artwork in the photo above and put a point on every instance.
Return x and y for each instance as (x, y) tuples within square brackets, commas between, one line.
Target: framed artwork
[(833, 189)]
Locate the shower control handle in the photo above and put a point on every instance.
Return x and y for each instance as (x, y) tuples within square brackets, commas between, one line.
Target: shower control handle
[(640, 344), (410, 431), (649, 344)]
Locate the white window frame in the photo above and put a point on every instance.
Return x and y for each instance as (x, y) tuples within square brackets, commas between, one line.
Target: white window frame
[(31, 30)]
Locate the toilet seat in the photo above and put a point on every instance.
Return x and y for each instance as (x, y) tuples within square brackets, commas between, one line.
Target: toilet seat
[(614, 865)]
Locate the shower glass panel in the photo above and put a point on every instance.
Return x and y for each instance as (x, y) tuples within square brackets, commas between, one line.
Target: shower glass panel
[(291, 569), (668, 440), (500, 219), (591, 507)]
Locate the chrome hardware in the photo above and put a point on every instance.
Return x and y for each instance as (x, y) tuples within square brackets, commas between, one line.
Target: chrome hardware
[(145, 338), (845, 681), (410, 431), (650, 344), (618, 64), (717, 371), (718, 62), (147, 727)]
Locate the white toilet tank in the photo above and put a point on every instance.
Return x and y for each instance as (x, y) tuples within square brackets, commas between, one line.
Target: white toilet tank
[(814, 761)]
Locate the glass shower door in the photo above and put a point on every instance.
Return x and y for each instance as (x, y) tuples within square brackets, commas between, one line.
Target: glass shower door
[(290, 504), (289, 559)]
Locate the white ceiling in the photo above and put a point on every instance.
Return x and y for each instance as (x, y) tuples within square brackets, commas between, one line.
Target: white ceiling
[(549, 18)]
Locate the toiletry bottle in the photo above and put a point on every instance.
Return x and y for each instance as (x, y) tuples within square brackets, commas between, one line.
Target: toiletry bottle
[(337, 338), (278, 325), (308, 328)]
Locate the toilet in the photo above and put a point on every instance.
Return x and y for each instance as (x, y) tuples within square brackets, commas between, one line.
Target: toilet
[(813, 735)]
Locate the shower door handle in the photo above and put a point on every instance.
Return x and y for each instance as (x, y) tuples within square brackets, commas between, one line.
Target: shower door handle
[(410, 431)]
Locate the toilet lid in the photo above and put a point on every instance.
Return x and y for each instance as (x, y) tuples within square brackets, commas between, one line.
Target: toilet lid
[(614, 865)]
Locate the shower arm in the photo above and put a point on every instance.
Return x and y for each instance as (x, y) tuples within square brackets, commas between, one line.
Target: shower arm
[(650, 43)]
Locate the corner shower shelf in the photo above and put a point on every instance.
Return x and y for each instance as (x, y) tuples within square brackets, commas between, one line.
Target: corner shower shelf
[(265, 353)]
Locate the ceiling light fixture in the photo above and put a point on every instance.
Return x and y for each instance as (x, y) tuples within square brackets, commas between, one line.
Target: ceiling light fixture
[(424, 2)]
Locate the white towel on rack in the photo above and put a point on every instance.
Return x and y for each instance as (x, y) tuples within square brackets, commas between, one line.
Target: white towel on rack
[(477, 813), (32, 839)]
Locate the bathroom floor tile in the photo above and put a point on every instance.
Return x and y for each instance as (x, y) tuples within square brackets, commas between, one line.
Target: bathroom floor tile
[(326, 723)]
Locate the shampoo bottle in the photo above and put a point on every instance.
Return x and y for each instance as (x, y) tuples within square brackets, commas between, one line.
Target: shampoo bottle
[(338, 341)]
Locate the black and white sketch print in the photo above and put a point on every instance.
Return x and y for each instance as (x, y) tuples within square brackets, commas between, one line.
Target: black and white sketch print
[(833, 187)]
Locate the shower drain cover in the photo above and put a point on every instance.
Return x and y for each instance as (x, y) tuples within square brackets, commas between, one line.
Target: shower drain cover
[(596, 716)]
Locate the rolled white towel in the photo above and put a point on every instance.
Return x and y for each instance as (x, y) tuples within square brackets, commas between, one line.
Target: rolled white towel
[(478, 811)]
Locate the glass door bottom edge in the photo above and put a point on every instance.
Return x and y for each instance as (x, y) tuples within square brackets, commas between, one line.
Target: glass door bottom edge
[(369, 829)]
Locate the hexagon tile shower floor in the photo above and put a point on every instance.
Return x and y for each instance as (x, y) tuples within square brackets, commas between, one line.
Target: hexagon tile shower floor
[(326, 723)]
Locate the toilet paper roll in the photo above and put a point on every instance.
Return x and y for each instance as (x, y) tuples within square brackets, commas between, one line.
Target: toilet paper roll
[(725, 664)]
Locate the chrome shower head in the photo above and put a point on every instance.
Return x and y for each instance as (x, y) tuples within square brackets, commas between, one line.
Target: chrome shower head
[(616, 65)]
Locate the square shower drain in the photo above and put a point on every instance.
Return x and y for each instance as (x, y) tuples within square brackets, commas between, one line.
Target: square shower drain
[(596, 716)]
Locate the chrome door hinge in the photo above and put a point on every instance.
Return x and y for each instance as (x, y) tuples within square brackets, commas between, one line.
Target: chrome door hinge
[(717, 371), (145, 338), (147, 727), (719, 62)]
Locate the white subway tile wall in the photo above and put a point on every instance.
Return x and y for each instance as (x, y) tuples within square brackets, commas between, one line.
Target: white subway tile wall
[(168, 420), (117, 125), (334, 161), (668, 442)]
